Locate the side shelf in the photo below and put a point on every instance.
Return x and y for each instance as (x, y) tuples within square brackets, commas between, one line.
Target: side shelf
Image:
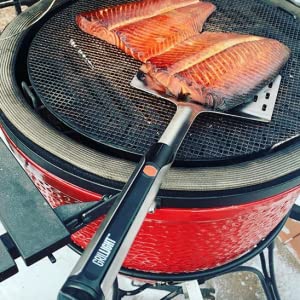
[(31, 223)]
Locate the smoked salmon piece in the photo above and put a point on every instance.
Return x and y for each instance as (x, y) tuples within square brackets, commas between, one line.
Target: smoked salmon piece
[(123, 14), (148, 28), (216, 69)]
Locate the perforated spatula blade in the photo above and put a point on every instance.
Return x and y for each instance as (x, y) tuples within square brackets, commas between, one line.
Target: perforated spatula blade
[(259, 109)]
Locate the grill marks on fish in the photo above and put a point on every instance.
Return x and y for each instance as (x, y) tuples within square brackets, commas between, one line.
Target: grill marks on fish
[(123, 14), (220, 70), (197, 49), (144, 37), (217, 69), (156, 35)]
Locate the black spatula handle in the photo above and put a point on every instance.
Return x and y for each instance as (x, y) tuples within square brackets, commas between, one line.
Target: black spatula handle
[(141, 191), (94, 274)]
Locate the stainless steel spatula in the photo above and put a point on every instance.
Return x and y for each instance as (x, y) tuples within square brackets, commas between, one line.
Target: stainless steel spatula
[(97, 269), (259, 109)]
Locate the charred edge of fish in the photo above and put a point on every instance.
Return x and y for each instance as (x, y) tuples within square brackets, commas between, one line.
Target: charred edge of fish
[(241, 99), (141, 76), (183, 97)]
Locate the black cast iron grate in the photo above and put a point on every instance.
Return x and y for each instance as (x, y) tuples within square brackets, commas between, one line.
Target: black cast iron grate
[(100, 104)]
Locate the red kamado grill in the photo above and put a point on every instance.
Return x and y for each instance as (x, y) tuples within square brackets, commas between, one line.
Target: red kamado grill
[(78, 131)]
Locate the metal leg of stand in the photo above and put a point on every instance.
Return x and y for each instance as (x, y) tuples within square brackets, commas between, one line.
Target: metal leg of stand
[(272, 271), (18, 6), (266, 278), (174, 291), (270, 274), (190, 289), (260, 276)]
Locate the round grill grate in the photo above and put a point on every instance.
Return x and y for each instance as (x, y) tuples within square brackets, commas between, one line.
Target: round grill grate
[(100, 104)]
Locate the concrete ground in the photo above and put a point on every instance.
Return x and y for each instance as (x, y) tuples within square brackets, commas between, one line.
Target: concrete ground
[(43, 280), (6, 15)]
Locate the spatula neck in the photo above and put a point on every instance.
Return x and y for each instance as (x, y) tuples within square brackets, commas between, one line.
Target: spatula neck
[(178, 127)]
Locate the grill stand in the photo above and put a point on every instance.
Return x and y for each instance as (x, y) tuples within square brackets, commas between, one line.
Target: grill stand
[(266, 278), (17, 4)]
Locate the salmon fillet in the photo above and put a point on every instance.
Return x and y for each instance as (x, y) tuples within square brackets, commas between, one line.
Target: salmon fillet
[(216, 69), (123, 14), (148, 28)]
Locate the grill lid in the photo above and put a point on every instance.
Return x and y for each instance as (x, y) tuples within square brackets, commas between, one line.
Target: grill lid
[(99, 103)]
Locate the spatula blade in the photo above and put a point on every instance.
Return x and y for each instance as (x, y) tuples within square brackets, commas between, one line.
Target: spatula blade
[(259, 109)]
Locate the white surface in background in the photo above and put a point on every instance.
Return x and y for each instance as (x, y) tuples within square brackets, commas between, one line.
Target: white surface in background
[(297, 2), (41, 280)]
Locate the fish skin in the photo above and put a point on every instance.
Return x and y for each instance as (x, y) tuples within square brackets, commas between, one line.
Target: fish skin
[(222, 80), (151, 35)]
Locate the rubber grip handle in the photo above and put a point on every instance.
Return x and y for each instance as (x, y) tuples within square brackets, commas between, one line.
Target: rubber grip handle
[(76, 291)]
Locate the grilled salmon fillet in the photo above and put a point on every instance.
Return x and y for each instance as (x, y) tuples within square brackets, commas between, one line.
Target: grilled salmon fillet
[(124, 14), (147, 28), (216, 69)]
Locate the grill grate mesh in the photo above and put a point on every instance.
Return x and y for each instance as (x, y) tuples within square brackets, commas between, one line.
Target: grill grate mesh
[(101, 105)]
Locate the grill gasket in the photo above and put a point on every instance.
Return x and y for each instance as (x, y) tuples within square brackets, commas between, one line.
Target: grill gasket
[(210, 138)]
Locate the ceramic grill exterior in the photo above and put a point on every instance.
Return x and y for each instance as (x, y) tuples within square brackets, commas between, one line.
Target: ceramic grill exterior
[(175, 240)]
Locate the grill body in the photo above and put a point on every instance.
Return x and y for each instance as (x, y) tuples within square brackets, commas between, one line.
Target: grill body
[(174, 240)]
